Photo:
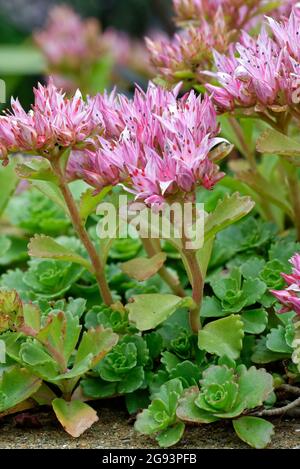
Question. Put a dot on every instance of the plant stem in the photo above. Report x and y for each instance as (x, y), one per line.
(289, 388)
(196, 280)
(279, 410)
(244, 146)
(167, 276)
(82, 233)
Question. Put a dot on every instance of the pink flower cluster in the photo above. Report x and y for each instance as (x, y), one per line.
(155, 145)
(68, 40)
(238, 13)
(260, 72)
(207, 25)
(290, 297)
(180, 57)
(53, 122)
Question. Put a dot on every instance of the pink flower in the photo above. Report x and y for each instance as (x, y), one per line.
(54, 121)
(189, 50)
(68, 40)
(163, 150)
(258, 73)
(236, 12)
(290, 297)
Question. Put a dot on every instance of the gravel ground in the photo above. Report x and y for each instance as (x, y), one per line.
(115, 430)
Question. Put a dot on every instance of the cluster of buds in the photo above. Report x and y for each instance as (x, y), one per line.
(55, 122)
(166, 148)
(290, 296)
(260, 73)
(189, 51)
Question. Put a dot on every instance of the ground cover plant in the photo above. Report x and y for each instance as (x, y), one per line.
(185, 300)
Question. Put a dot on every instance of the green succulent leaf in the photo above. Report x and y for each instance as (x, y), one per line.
(5, 244)
(229, 210)
(36, 168)
(89, 201)
(143, 268)
(255, 385)
(223, 337)
(255, 320)
(44, 247)
(276, 341)
(171, 436)
(149, 310)
(161, 414)
(254, 431)
(188, 412)
(16, 385)
(273, 142)
(97, 342)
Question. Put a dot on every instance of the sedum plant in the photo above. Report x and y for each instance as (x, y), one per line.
(182, 332)
(48, 349)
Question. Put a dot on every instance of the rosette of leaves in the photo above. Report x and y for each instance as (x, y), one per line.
(249, 234)
(115, 318)
(35, 213)
(228, 394)
(124, 249)
(235, 293)
(121, 371)
(159, 419)
(51, 349)
(52, 278)
(179, 340)
(75, 306)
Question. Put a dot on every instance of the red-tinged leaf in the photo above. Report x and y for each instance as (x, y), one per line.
(75, 416)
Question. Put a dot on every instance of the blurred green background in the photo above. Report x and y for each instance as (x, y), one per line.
(21, 65)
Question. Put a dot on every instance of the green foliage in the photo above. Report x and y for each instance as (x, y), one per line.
(227, 393)
(123, 366)
(34, 212)
(50, 348)
(235, 293)
(160, 417)
(223, 337)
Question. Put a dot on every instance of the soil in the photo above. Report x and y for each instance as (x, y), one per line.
(115, 430)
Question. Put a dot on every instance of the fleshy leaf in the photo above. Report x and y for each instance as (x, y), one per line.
(75, 416)
(36, 168)
(149, 310)
(255, 385)
(229, 210)
(273, 142)
(254, 431)
(171, 435)
(44, 247)
(89, 202)
(143, 268)
(223, 337)
(97, 342)
(255, 320)
(188, 412)
(16, 385)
